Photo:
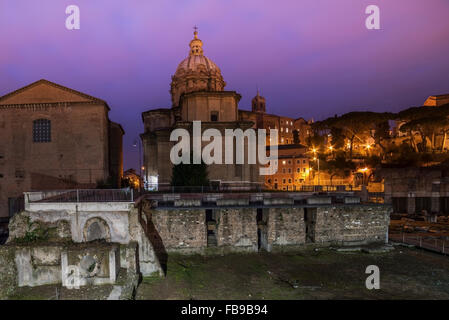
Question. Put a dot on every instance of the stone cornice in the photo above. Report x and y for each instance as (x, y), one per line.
(43, 81)
(46, 105)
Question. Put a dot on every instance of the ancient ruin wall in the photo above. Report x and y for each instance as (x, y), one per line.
(181, 230)
(237, 229)
(339, 224)
(285, 227)
(8, 272)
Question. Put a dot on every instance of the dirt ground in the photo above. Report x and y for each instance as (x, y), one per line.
(405, 273)
(323, 274)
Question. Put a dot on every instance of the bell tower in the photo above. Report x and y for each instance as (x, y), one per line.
(258, 103)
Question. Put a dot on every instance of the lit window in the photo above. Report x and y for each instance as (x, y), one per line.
(42, 130)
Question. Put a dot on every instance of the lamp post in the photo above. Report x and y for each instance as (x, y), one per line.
(318, 163)
(138, 142)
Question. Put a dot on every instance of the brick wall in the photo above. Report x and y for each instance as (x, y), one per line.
(352, 224)
(236, 229)
(286, 227)
(181, 230)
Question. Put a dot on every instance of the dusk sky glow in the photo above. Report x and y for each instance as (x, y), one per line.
(310, 58)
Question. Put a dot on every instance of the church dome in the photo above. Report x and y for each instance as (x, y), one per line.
(196, 73)
(196, 63)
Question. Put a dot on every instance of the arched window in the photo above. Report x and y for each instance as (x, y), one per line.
(42, 130)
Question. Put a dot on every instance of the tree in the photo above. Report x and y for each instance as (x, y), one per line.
(359, 126)
(428, 122)
(105, 184)
(338, 138)
(380, 133)
(190, 175)
(339, 166)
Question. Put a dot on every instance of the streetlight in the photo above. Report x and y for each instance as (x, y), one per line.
(318, 162)
(368, 147)
(138, 142)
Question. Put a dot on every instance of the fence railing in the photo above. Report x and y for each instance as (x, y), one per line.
(81, 195)
(252, 188)
(129, 195)
(426, 242)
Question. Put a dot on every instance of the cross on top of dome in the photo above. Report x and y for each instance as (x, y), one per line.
(196, 45)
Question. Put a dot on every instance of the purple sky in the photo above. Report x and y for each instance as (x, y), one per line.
(311, 58)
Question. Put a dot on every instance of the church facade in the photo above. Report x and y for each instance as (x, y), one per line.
(53, 137)
(198, 94)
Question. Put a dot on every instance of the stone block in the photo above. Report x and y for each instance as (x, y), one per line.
(187, 203)
(278, 201)
(232, 202)
(352, 200)
(319, 200)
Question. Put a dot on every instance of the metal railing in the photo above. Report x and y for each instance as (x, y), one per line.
(81, 195)
(252, 188)
(425, 242)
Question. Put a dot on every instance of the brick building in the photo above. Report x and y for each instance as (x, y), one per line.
(53, 137)
(197, 91)
(417, 190)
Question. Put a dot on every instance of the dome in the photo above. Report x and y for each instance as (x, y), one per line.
(195, 73)
(197, 63)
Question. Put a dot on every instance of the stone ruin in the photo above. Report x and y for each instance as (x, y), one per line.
(56, 245)
(80, 244)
